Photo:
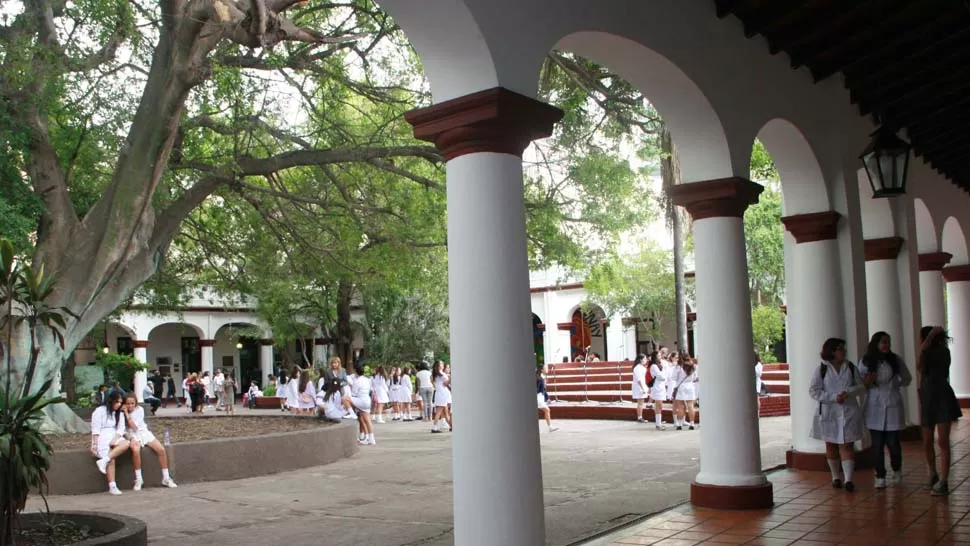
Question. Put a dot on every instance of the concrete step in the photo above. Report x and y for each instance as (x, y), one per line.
(591, 385)
(771, 406)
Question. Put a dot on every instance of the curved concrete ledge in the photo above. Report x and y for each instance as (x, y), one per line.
(73, 472)
(121, 530)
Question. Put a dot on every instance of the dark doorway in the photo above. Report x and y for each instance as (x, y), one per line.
(248, 363)
(191, 356)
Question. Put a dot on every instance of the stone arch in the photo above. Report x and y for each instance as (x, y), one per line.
(926, 239)
(694, 124)
(588, 329)
(176, 345)
(803, 186)
(876, 214)
(237, 350)
(955, 241)
(538, 339)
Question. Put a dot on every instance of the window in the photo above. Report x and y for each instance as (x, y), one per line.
(126, 346)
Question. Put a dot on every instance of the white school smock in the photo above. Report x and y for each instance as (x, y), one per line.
(332, 409)
(639, 384)
(659, 389)
(885, 409)
(379, 384)
(668, 370)
(406, 389)
(140, 431)
(685, 385)
(837, 423)
(759, 369)
(442, 394)
(360, 395)
(310, 403)
(103, 426)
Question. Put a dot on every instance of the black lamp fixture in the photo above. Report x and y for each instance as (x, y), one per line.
(886, 161)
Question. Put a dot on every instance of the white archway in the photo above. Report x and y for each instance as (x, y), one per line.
(926, 238)
(803, 186)
(877, 216)
(954, 241)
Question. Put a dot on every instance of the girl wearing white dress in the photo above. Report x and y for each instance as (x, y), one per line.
(885, 374)
(331, 403)
(306, 394)
(669, 367)
(658, 391)
(759, 369)
(291, 391)
(684, 378)
(407, 392)
(442, 396)
(836, 386)
(381, 397)
(639, 385)
(107, 438)
(141, 437)
(395, 393)
(360, 398)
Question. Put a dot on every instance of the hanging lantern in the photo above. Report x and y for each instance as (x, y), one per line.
(886, 161)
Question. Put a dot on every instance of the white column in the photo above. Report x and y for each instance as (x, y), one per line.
(207, 354)
(630, 341)
(958, 326)
(814, 315)
(497, 469)
(730, 454)
(141, 377)
(265, 361)
(931, 295)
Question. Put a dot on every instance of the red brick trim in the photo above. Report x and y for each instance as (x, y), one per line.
(886, 248)
(934, 261)
(690, 274)
(495, 120)
(816, 462)
(721, 497)
(964, 402)
(564, 326)
(540, 326)
(816, 226)
(541, 289)
(724, 197)
(692, 316)
(266, 341)
(207, 343)
(141, 344)
(956, 273)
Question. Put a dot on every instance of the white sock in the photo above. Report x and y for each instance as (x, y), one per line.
(658, 418)
(138, 474)
(834, 467)
(847, 468)
(165, 475)
(370, 437)
(112, 485)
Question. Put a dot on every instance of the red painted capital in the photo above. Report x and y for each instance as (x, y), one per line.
(207, 343)
(266, 341)
(564, 326)
(724, 197)
(886, 248)
(322, 341)
(956, 273)
(817, 226)
(934, 261)
(495, 120)
(141, 344)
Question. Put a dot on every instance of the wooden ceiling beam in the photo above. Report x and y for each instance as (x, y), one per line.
(925, 73)
(928, 84)
(776, 16)
(840, 21)
(909, 107)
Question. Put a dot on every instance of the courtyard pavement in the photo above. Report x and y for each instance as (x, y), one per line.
(597, 475)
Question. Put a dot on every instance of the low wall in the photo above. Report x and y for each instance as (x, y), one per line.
(74, 472)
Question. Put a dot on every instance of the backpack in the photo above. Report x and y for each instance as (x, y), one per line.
(650, 378)
(824, 369)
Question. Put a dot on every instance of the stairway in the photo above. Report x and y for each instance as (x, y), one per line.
(601, 390)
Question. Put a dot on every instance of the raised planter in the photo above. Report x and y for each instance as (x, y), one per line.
(120, 530)
(269, 402)
(73, 472)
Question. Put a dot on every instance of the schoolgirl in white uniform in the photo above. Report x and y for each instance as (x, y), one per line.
(684, 378)
(331, 403)
(885, 375)
(107, 437)
(306, 398)
(670, 366)
(395, 393)
(639, 385)
(380, 385)
(839, 420)
(442, 396)
(407, 392)
(291, 391)
(658, 392)
(141, 437)
(360, 397)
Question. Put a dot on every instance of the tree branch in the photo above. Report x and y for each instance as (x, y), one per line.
(167, 223)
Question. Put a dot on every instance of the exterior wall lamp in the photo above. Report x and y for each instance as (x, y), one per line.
(886, 161)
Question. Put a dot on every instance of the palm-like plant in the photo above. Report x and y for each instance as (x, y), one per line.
(24, 453)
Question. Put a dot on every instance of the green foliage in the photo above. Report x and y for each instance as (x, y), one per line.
(767, 325)
(270, 390)
(762, 167)
(120, 368)
(639, 286)
(764, 235)
(404, 325)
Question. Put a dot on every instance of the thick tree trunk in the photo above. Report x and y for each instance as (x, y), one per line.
(670, 176)
(344, 332)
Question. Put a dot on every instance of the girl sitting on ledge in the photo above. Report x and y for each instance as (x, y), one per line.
(140, 436)
(107, 438)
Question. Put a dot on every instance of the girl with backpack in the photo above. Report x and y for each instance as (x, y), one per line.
(885, 375)
(836, 386)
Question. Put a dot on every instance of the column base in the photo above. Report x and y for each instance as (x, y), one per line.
(723, 497)
(964, 402)
(912, 433)
(816, 462)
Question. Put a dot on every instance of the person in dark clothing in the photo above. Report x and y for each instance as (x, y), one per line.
(171, 392)
(116, 387)
(542, 399)
(939, 407)
(100, 396)
(157, 382)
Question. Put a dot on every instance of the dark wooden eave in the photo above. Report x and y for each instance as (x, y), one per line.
(907, 62)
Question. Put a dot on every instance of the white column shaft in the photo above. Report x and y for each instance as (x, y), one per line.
(141, 377)
(207, 357)
(730, 444)
(958, 327)
(932, 306)
(495, 449)
(814, 315)
(265, 364)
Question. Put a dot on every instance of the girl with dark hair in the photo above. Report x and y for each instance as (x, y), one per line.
(938, 405)
(885, 374)
(639, 385)
(658, 391)
(836, 385)
(684, 378)
(381, 396)
(141, 437)
(306, 394)
(542, 399)
(331, 403)
(360, 397)
(406, 393)
(442, 396)
(108, 438)
(292, 393)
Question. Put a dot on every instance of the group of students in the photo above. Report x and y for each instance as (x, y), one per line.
(666, 376)
(870, 395)
(118, 426)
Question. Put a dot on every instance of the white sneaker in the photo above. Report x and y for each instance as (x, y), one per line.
(553, 429)
(103, 465)
(897, 479)
(350, 416)
(661, 427)
(138, 485)
(880, 483)
(169, 482)
(381, 420)
(371, 441)
(114, 491)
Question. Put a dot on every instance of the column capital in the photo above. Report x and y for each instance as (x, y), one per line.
(207, 343)
(886, 248)
(815, 226)
(956, 273)
(266, 341)
(494, 120)
(141, 344)
(934, 261)
(724, 197)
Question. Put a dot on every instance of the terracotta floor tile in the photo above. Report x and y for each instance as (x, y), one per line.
(766, 541)
(637, 541)
(792, 526)
(655, 533)
(727, 538)
(675, 525)
(790, 535)
(675, 542)
(693, 535)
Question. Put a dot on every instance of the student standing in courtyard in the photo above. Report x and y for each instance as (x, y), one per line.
(938, 404)
(836, 386)
(407, 393)
(542, 399)
(380, 384)
(360, 397)
(425, 391)
(885, 374)
(658, 392)
(684, 379)
(442, 397)
(639, 384)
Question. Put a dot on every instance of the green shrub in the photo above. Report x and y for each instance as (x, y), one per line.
(120, 368)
